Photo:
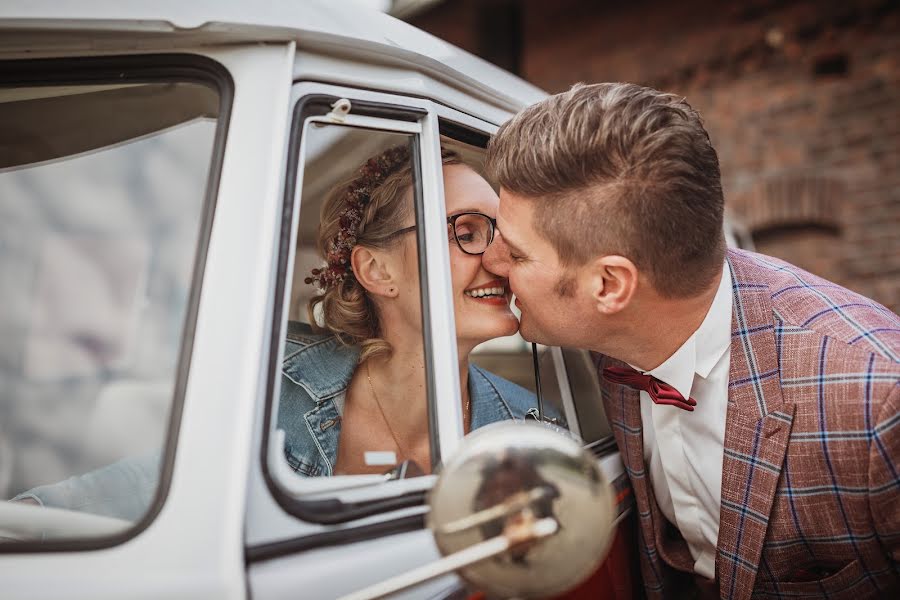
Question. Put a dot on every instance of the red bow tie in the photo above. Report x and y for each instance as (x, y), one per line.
(659, 391)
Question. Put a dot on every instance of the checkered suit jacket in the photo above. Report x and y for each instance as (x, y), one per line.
(810, 487)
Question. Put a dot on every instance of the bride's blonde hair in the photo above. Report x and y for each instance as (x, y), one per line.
(365, 210)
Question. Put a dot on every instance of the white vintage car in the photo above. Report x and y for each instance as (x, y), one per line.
(162, 168)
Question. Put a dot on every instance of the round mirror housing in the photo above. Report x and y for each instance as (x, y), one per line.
(538, 489)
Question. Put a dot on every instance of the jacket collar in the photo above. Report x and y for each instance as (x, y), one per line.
(757, 430)
(487, 403)
(323, 366)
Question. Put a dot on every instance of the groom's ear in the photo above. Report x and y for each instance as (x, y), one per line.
(613, 281)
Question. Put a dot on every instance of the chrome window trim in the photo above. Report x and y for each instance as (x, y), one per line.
(445, 413)
(445, 410)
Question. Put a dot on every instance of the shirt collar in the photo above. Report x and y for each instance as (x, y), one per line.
(714, 334)
(321, 364)
(700, 353)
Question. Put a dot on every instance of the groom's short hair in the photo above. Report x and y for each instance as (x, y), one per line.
(617, 168)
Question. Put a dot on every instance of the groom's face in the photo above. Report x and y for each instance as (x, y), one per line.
(554, 306)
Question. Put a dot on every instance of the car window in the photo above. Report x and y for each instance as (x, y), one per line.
(102, 190)
(349, 384)
(352, 397)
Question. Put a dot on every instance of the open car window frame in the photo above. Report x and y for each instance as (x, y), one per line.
(350, 498)
(367, 509)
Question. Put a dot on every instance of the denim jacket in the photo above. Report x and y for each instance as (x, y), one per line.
(315, 375)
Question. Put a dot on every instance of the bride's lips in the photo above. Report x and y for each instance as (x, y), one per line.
(497, 300)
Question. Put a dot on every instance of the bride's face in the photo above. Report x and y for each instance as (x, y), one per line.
(480, 313)
(478, 317)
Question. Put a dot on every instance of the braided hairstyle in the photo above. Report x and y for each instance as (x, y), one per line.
(366, 210)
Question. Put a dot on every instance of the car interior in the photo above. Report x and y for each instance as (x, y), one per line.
(101, 192)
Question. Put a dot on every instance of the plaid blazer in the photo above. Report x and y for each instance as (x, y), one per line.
(810, 486)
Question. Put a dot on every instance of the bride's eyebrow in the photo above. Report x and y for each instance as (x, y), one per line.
(465, 210)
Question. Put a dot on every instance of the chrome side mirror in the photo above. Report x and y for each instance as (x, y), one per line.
(520, 511)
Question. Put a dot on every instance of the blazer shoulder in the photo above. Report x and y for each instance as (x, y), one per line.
(803, 302)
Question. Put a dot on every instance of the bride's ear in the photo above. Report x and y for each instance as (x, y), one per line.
(373, 272)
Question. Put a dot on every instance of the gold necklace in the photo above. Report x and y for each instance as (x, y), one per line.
(384, 416)
(388, 423)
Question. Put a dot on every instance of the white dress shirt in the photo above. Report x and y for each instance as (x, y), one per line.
(683, 449)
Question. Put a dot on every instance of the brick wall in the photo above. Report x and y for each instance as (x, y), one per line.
(801, 98)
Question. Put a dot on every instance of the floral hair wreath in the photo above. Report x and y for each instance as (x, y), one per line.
(369, 178)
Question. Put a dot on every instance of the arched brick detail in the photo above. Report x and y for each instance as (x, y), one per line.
(791, 199)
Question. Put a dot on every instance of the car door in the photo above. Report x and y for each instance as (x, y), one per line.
(125, 218)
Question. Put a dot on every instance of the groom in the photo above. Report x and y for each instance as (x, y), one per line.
(756, 406)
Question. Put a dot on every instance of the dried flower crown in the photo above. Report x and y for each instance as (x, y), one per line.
(370, 176)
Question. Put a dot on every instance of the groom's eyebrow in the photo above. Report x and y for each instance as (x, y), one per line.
(511, 245)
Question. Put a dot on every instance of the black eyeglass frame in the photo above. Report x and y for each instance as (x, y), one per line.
(451, 220)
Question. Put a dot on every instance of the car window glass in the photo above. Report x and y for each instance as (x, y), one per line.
(352, 398)
(101, 193)
(584, 384)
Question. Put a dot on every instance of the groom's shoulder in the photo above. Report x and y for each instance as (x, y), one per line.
(804, 302)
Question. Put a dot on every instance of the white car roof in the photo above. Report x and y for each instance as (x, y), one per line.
(337, 27)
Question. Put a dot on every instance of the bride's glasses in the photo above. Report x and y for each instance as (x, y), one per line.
(473, 232)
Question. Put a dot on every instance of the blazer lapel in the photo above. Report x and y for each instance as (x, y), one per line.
(758, 426)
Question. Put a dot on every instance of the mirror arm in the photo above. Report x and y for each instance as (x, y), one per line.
(538, 530)
(514, 504)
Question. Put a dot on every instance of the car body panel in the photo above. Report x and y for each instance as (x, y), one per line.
(325, 29)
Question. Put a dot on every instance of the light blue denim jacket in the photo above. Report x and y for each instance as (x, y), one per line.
(315, 374)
